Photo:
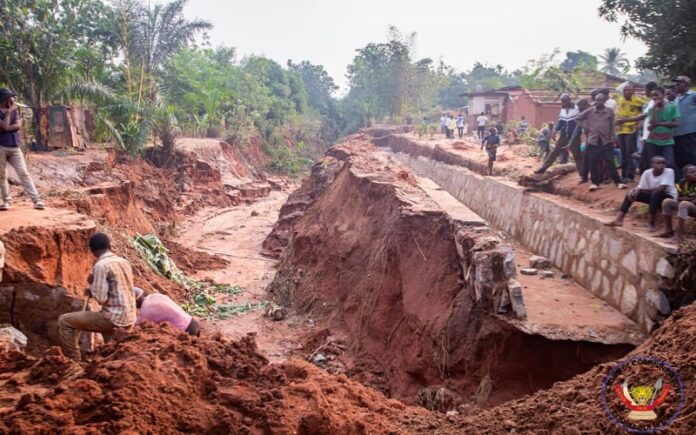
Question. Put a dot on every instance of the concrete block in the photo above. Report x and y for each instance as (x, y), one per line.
(615, 249)
(658, 301)
(539, 262)
(528, 271)
(12, 338)
(549, 274)
(630, 262)
(664, 269)
(517, 299)
(629, 299)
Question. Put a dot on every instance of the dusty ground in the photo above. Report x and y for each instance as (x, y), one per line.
(237, 234)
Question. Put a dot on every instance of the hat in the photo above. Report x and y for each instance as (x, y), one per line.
(685, 79)
(5, 93)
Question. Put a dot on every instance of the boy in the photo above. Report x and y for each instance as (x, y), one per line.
(491, 142)
(663, 121)
(630, 106)
(656, 185)
(544, 141)
(684, 206)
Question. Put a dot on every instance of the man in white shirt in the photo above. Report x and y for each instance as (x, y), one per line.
(643, 163)
(565, 127)
(481, 122)
(656, 185)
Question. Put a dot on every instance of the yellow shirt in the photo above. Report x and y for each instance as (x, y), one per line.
(629, 109)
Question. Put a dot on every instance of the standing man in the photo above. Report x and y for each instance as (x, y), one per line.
(565, 126)
(643, 131)
(685, 136)
(629, 106)
(522, 128)
(481, 122)
(111, 285)
(451, 126)
(10, 140)
(460, 125)
(598, 124)
(443, 124)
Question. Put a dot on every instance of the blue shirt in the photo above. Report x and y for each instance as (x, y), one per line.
(687, 108)
(10, 139)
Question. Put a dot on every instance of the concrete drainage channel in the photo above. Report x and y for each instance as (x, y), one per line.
(427, 295)
(624, 269)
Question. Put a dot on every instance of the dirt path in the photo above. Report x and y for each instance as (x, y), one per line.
(236, 234)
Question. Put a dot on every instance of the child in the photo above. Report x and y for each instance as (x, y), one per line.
(491, 142)
(683, 206)
(544, 141)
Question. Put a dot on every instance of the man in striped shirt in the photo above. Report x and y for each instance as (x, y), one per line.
(111, 285)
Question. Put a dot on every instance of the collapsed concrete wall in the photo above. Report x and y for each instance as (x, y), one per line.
(416, 291)
(622, 268)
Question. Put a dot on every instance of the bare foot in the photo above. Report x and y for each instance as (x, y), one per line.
(614, 223)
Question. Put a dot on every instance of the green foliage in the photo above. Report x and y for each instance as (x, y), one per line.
(665, 26)
(289, 160)
(581, 60)
(614, 61)
(544, 73)
(202, 301)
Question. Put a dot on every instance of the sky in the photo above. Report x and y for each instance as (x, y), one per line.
(327, 32)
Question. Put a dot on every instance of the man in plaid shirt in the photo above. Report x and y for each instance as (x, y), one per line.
(111, 285)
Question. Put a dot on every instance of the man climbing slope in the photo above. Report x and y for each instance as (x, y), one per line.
(111, 285)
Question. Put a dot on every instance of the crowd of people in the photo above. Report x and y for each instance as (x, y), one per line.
(652, 135)
(449, 124)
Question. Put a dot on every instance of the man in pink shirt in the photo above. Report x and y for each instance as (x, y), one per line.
(158, 308)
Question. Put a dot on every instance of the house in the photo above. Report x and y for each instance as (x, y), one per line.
(538, 106)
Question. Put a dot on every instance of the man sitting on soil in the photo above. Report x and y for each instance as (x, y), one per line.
(111, 285)
(656, 185)
(684, 206)
(159, 308)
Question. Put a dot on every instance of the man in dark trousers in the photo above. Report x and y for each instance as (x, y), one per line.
(565, 128)
(598, 125)
(685, 136)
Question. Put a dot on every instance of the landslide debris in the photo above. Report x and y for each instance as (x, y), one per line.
(156, 380)
(417, 293)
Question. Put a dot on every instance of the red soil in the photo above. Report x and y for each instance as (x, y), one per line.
(154, 380)
(381, 263)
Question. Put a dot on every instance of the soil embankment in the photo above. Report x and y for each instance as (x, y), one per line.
(415, 291)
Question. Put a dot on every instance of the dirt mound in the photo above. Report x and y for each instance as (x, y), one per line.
(576, 407)
(374, 257)
(154, 380)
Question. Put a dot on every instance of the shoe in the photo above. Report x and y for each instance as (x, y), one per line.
(539, 171)
(39, 205)
(5, 206)
(582, 181)
(621, 186)
(593, 187)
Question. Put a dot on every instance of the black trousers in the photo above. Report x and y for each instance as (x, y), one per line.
(558, 151)
(653, 199)
(460, 130)
(602, 153)
(629, 145)
(685, 150)
(481, 131)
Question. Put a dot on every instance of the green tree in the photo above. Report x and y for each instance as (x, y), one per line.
(579, 60)
(614, 61)
(545, 73)
(47, 46)
(665, 26)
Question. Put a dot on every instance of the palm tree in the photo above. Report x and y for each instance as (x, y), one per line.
(614, 61)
